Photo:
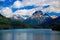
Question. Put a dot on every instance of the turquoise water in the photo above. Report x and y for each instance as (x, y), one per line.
(28, 30)
(29, 34)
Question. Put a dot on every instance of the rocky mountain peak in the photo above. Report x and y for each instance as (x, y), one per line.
(39, 12)
(1, 15)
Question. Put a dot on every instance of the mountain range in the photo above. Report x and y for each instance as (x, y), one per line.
(38, 20)
(7, 23)
(43, 20)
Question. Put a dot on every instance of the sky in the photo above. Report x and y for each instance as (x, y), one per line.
(25, 8)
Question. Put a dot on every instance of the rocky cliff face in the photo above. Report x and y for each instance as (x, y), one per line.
(37, 18)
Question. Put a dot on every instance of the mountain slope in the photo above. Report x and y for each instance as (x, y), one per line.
(37, 18)
(54, 24)
(17, 17)
(6, 23)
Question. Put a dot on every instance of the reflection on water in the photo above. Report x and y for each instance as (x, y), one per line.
(29, 34)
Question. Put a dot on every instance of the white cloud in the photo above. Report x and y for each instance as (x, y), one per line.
(24, 12)
(7, 12)
(17, 4)
(36, 2)
(54, 4)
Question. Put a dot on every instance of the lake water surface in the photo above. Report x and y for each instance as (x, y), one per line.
(29, 34)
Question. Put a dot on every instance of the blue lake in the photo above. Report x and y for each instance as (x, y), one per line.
(29, 34)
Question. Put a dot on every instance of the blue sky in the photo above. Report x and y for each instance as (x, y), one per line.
(25, 7)
(28, 7)
(6, 3)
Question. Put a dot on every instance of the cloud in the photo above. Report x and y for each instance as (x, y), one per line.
(17, 4)
(54, 4)
(6, 12)
(24, 12)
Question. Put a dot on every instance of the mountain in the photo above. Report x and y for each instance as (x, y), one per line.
(7, 23)
(4, 22)
(38, 18)
(54, 24)
(56, 27)
(17, 17)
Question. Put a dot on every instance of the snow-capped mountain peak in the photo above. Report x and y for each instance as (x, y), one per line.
(37, 18)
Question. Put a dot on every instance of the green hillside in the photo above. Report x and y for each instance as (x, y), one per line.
(6, 23)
